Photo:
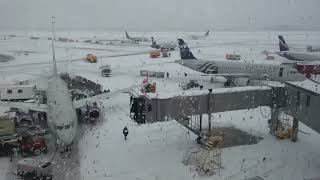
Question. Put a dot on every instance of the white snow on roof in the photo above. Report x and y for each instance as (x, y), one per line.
(308, 84)
(202, 92)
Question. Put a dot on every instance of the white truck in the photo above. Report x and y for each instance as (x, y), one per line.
(17, 92)
(105, 70)
(152, 73)
(233, 56)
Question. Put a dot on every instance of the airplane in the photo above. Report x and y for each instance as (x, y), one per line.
(60, 109)
(136, 39)
(232, 70)
(295, 55)
(165, 45)
(313, 48)
(197, 37)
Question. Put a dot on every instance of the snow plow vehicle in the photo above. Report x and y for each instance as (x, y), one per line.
(91, 58)
(35, 169)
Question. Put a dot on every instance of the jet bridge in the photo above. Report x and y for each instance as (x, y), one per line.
(300, 100)
(188, 107)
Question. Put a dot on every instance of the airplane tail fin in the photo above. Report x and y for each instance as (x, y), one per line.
(185, 52)
(127, 35)
(154, 43)
(282, 44)
(207, 33)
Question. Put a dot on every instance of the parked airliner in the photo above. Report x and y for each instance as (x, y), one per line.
(234, 69)
(197, 36)
(136, 39)
(297, 55)
(60, 109)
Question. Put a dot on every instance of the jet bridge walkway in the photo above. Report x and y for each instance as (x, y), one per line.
(188, 108)
(295, 99)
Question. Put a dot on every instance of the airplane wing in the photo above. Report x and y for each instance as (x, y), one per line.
(82, 102)
(23, 105)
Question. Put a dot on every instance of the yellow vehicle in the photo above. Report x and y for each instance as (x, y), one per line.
(7, 126)
(91, 58)
(151, 88)
(284, 133)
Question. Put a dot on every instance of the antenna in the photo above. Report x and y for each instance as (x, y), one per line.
(53, 53)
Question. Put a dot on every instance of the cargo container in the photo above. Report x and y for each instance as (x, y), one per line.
(17, 92)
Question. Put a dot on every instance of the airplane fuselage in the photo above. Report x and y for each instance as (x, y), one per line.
(257, 71)
(300, 56)
(313, 48)
(62, 118)
(197, 37)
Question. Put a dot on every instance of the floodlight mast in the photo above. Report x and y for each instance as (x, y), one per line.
(53, 52)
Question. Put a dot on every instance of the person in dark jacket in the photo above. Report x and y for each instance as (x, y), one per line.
(125, 132)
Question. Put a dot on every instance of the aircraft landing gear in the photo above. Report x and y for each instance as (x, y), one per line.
(228, 82)
(65, 149)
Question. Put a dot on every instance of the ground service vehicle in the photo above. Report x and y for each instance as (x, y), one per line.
(17, 92)
(91, 58)
(32, 145)
(233, 57)
(35, 169)
(105, 71)
(191, 84)
(154, 54)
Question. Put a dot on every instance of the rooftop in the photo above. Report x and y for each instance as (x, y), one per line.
(309, 85)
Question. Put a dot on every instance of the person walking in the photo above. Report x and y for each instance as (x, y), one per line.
(125, 132)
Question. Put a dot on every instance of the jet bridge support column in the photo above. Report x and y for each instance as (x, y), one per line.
(200, 128)
(209, 110)
(295, 128)
(275, 110)
(274, 121)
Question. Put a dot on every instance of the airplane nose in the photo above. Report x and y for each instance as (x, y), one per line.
(66, 136)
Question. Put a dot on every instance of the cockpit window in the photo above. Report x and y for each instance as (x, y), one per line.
(67, 126)
(59, 127)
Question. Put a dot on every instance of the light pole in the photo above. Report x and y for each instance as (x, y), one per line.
(53, 53)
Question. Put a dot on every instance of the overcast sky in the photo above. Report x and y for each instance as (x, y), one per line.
(151, 15)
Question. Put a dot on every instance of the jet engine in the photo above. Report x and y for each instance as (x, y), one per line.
(93, 113)
(89, 113)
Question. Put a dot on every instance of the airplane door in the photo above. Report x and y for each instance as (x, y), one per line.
(281, 72)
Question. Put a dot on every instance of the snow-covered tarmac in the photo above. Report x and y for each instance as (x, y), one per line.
(155, 151)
